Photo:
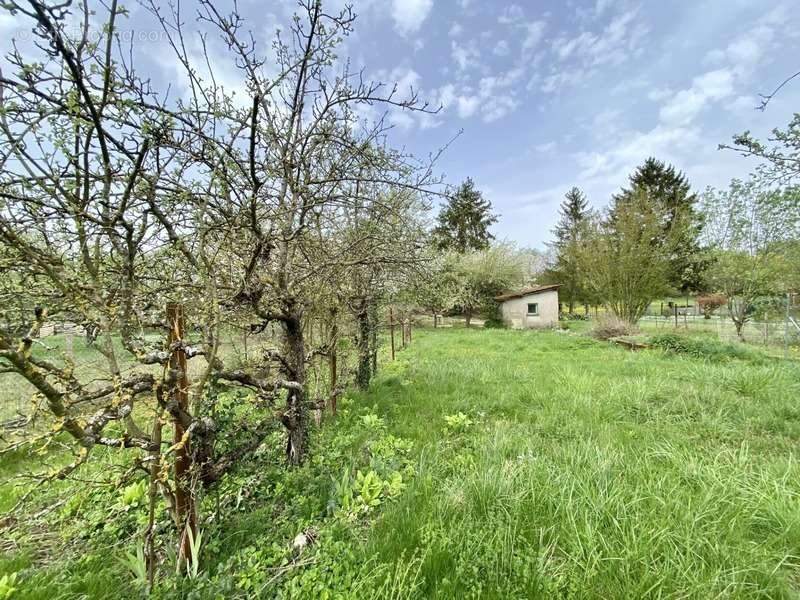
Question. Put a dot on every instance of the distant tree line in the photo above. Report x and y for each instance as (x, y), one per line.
(657, 237)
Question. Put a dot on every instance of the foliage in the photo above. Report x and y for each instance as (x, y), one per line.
(195, 547)
(494, 323)
(438, 283)
(626, 259)
(278, 216)
(493, 509)
(485, 274)
(750, 226)
(672, 200)
(136, 565)
(463, 223)
(8, 586)
(703, 348)
(569, 235)
(751, 215)
(457, 423)
(782, 156)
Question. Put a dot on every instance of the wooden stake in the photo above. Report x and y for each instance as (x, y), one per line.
(391, 329)
(68, 344)
(332, 360)
(179, 392)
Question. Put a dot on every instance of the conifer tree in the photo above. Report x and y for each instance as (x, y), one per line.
(675, 202)
(568, 234)
(463, 223)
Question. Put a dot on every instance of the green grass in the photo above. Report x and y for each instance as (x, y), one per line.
(592, 471)
(580, 470)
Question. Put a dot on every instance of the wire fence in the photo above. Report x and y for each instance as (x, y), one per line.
(777, 327)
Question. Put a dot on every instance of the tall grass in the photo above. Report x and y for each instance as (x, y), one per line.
(568, 468)
(593, 472)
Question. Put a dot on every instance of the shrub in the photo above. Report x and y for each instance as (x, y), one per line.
(700, 348)
(609, 326)
(710, 303)
(494, 323)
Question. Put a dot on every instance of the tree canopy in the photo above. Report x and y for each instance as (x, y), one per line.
(464, 221)
(569, 234)
(674, 204)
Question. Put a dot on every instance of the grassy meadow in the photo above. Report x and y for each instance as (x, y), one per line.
(510, 464)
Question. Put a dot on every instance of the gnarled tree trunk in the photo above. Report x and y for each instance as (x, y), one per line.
(295, 416)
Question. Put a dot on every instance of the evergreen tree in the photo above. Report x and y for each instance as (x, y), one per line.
(675, 203)
(463, 223)
(574, 209)
(569, 232)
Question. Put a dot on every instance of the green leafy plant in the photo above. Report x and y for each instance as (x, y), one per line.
(8, 586)
(136, 564)
(457, 423)
(395, 485)
(373, 421)
(343, 491)
(195, 546)
(369, 487)
(705, 349)
(133, 495)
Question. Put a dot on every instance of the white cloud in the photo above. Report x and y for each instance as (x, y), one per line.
(455, 30)
(659, 94)
(742, 104)
(409, 15)
(406, 81)
(494, 96)
(561, 78)
(668, 143)
(686, 104)
(601, 6)
(467, 105)
(545, 147)
(533, 35)
(511, 15)
(464, 55)
(501, 48)
(581, 54)
(617, 42)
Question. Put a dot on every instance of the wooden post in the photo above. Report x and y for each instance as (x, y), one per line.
(68, 344)
(332, 360)
(403, 332)
(409, 330)
(675, 309)
(786, 326)
(184, 499)
(391, 329)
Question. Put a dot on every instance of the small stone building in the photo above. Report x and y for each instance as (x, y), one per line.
(531, 308)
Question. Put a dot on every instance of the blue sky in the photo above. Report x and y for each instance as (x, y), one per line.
(551, 94)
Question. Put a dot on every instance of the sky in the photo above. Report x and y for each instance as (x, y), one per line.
(545, 95)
